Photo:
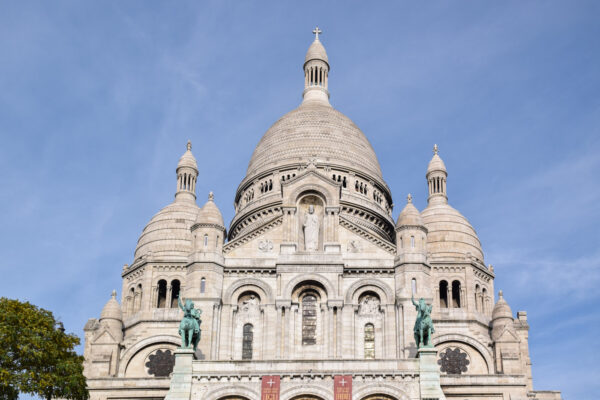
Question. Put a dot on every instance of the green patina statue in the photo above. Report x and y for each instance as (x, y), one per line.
(189, 328)
(424, 324)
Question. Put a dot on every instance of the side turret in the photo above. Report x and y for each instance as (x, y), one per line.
(411, 234)
(209, 229)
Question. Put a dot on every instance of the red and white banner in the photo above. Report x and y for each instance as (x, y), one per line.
(270, 387)
(342, 387)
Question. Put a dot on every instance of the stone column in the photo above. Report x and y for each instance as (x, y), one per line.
(390, 330)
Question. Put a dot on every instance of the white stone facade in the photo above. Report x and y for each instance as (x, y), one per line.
(308, 301)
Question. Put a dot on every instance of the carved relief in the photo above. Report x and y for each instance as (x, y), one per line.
(265, 246)
(354, 246)
(249, 304)
(369, 306)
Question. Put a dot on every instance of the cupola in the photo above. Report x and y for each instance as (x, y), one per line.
(316, 72)
(436, 178)
(501, 316)
(112, 317)
(411, 234)
(209, 229)
(187, 175)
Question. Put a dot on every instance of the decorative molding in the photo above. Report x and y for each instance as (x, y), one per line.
(387, 246)
(239, 241)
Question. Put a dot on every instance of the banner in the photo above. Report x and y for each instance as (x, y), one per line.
(270, 387)
(342, 387)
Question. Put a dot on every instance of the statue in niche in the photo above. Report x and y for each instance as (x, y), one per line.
(249, 304)
(311, 230)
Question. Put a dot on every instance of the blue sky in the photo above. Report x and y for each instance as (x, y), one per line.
(98, 99)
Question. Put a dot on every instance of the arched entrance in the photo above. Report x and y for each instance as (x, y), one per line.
(233, 398)
(378, 397)
(307, 397)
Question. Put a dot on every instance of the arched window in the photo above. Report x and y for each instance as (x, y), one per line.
(205, 240)
(412, 242)
(175, 287)
(131, 300)
(247, 342)
(161, 301)
(413, 283)
(443, 294)
(309, 319)
(369, 341)
(477, 298)
(138, 297)
(202, 285)
(456, 294)
(484, 305)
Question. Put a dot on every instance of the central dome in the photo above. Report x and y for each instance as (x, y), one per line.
(315, 130)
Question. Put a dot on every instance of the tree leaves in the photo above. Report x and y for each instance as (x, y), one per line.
(36, 355)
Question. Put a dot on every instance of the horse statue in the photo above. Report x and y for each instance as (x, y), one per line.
(424, 324)
(189, 328)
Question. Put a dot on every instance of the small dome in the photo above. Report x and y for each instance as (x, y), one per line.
(436, 163)
(409, 215)
(112, 309)
(168, 234)
(188, 159)
(210, 213)
(316, 51)
(501, 309)
(450, 235)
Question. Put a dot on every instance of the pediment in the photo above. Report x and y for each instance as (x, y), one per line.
(311, 181)
(508, 335)
(104, 337)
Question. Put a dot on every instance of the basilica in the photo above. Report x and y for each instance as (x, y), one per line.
(310, 291)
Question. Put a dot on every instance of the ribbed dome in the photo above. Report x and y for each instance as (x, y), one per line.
(450, 235)
(210, 213)
(316, 51)
(436, 164)
(188, 159)
(112, 309)
(314, 130)
(168, 232)
(409, 216)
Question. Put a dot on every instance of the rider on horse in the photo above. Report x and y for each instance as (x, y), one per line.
(424, 324)
(189, 328)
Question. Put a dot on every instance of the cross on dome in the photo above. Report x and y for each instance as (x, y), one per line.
(189, 145)
(409, 198)
(317, 32)
(211, 196)
(435, 149)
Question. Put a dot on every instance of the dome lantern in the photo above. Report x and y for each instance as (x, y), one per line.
(436, 178)
(187, 175)
(316, 72)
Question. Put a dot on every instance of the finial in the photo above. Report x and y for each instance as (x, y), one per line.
(500, 294)
(317, 32)
(189, 145)
(211, 196)
(435, 149)
(409, 198)
(114, 294)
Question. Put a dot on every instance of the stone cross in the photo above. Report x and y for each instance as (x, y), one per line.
(317, 31)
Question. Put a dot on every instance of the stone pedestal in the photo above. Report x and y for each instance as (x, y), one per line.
(181, 380)
(429, 374)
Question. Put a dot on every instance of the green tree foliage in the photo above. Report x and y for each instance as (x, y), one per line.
(36, 355)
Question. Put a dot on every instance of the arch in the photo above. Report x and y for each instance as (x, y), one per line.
(379, 389)
(443, 290)
(175, 290)
(325, 191)
(244, 392)
(129, 353)
(469, 341)
(456, 294)
(369, 341)
(202, 285)
(247, 341)
(306, 390)
(329, 288)
(386, 295)
(246, 284)
(161, 298)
